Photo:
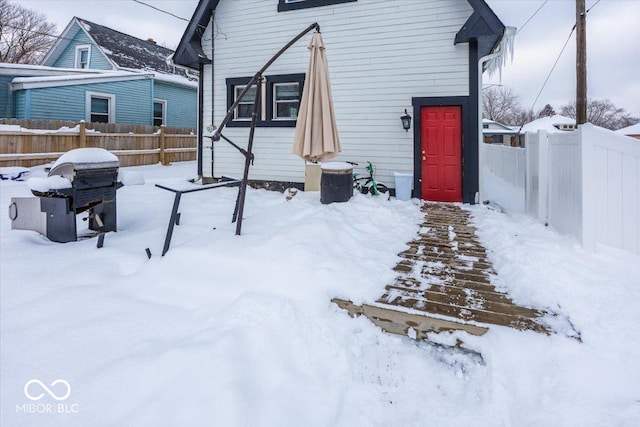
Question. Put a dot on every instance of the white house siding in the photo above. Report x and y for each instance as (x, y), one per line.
(381, 53)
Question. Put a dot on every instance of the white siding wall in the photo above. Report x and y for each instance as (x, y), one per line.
(381, 53)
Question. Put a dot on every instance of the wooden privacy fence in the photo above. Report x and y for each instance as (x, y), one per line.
(31, 148)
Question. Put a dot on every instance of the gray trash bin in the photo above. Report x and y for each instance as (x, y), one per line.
(336, 182)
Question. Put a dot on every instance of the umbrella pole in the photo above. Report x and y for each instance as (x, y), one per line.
(217, 135)
(248, 156)
(259, 74)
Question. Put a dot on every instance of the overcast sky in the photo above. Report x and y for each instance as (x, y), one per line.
(613, 41)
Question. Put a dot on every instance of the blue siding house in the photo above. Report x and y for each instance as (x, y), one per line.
(98, 74)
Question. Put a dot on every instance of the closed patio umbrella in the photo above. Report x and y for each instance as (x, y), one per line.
(316, 136)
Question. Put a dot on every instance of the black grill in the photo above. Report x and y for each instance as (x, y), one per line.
(93, 190)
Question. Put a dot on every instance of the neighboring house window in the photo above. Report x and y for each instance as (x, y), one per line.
(284, 5)
(100, 107)
(485, 126)
(83, 56)
(159, 112)
(279, 101)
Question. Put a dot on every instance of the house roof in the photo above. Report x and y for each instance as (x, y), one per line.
(125, 52)
(630, 130)
(496, 128)
(483, 26)
(30, 70)
(21, 83)
(548, 124)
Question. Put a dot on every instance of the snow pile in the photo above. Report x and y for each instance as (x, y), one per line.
(239, 330)
(43, 185)
(129, 177)
(63, 129)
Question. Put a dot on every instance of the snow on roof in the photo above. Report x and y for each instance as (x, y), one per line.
(548, 124)
(77, 77)
(130, 52)
(173, 79)
(630, 130)
(498, 128)
(40, 70)
(20, 83)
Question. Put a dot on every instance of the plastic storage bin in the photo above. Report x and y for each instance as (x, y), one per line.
(403, 185)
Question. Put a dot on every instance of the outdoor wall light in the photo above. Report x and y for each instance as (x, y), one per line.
(406, 121)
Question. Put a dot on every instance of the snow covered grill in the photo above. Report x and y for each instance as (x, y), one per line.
(82, 180)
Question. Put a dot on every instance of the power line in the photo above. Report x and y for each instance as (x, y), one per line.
(592, 6)
(167, 13)
(534, 14)
(161, 10)
(13, 27)
(553, 68)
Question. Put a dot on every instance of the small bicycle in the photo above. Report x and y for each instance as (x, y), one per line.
(368, 184)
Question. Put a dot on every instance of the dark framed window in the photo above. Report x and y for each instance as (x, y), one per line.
(99, 110)
(285, 5)
(100, 107)
(279, 100)
(159, 112)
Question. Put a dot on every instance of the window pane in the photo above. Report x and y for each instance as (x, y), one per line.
(245, 111)
(100, 105)
(245, 108)
(286, 92)
(157, 109)
(287, 110)
(249, 96)
(100, 118)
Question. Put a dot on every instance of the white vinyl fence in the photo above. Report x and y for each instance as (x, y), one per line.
(585, 183)
(507, 165)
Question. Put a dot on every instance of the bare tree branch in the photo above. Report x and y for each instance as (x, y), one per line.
(603, 113)
(25, 35)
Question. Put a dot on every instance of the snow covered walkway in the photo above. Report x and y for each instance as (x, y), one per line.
(445, 282)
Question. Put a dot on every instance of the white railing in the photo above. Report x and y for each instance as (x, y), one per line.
(585, 183)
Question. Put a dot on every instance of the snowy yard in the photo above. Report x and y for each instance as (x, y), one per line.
(240, 331)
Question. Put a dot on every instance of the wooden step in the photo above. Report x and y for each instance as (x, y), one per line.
(398, 322)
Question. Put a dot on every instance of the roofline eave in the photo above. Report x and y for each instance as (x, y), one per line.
(189, 52)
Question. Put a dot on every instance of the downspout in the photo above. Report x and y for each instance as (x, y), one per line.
(481, 151)
(200, 119)
(213, 81)
(504, 47)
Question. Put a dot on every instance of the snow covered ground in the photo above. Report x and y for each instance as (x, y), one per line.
(239, 330)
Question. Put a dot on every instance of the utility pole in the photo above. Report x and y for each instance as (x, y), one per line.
(581, 63)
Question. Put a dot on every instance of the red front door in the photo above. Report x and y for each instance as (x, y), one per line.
(441, 148)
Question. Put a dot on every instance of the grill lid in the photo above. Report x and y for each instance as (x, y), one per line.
(83, 159)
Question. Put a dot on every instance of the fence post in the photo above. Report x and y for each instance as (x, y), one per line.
(163, 159)
(83, 134)
(543, 177)
(589, 203)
